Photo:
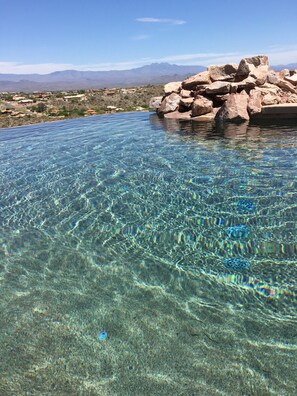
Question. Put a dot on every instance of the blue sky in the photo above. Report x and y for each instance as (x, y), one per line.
(41, 36)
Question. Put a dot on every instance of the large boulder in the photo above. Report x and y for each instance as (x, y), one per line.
(270, 94)
(247, 84)
(201, 106)
(193, 81)
(292, 98)
(185, 104)
(286, 86)
(254, 102)
(272, 77)
(176, 115)
(234, 109)
(270, 98)
(292, 79)
(200, 89)
(267, 87)
(185, 93)
(284, 73)
(155, 102)
(172, 87)
(260, 74)
(169, 103)
(222, 73)
(218, 87)
(206, 117)
(256, 66)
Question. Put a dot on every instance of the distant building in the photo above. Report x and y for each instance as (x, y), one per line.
(128, 90)
(26, 101)
(17, 98)
(109, 92)
(79, 97)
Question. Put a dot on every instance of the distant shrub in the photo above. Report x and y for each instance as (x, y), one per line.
(40, 107)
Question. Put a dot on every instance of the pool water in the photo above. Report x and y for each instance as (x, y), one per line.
(178, 240)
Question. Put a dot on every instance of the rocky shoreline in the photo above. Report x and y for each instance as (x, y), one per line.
(231, 92)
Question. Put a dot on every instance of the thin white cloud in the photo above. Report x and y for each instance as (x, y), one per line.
(42, 68)
(161, 20)
(281, 54)
(140, 37)
(277, 55)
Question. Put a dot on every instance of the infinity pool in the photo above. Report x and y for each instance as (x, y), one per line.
(141, 256)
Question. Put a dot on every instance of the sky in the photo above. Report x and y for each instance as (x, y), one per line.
(42, 36)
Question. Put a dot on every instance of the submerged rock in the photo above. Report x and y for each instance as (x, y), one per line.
(236, 264)
(245, 205)
(238, 232)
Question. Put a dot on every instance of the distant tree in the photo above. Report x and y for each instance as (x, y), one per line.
(41, 107)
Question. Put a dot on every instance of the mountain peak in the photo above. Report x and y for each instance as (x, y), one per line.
(155, 73)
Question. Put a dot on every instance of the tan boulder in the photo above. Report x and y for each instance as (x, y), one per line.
(272, 77)
(205, 117)
(172, 87)
(270, 94)
(288, 97)
(155, 102)
(283, 73)
(270, 98)
(234, 109)
(260, 74)
(248, 66)
(286, 86)
(267, 87)
(185, 104)
(292, 79)
(176, 115)
(201, 106)
(222, 73)
(254, 102)
(221, 98)
(200, 89)
(169, 103)
(247, 84)
(198, 79)
(292, 98)
(185, 93)
(218, 87)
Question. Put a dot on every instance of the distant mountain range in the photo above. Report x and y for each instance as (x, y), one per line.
(156, 73)
(290, 66)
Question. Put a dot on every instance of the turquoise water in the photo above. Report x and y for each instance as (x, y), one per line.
(145, 257)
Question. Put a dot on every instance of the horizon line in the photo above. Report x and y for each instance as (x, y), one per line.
(277, 56)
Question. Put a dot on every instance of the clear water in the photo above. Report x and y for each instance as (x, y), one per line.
(124, 224)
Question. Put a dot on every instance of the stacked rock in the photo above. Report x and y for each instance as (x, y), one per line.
(229, 92)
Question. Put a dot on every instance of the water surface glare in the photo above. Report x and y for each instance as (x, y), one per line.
(141, 256)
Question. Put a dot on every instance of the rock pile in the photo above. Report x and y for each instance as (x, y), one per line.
(228, 93)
